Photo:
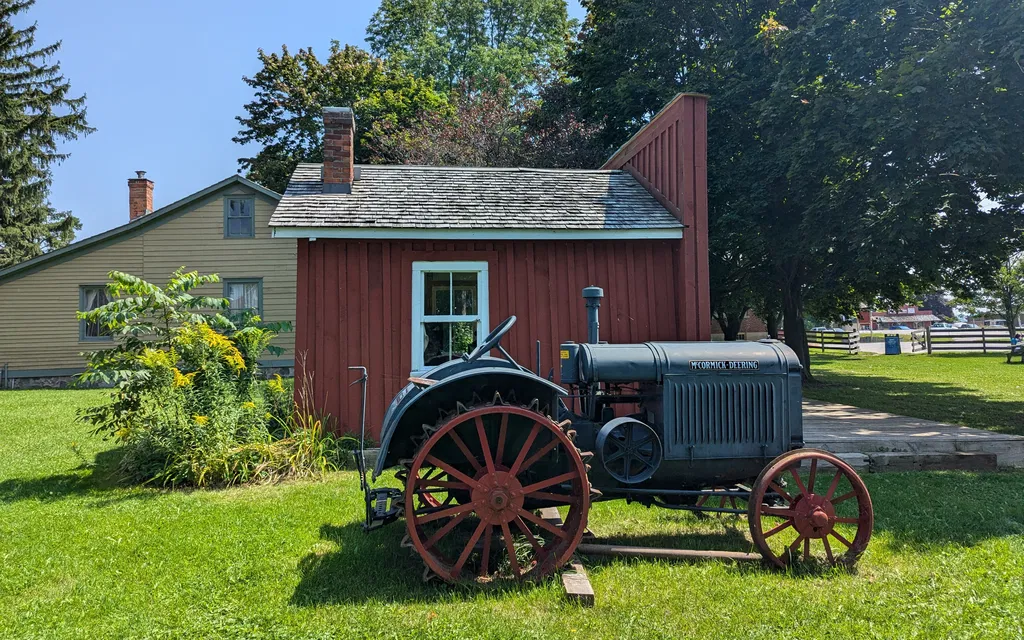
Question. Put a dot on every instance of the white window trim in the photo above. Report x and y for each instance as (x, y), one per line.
(483, 326)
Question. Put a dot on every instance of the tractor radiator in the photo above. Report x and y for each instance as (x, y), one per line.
(709, 416)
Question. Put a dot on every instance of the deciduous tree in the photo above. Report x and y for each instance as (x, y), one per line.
(856, 140)
(285, 115)
(461, 41)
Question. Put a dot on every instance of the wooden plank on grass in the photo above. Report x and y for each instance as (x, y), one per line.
(577, 586)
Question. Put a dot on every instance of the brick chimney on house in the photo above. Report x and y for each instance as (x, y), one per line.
(140, 196)
(339, 149)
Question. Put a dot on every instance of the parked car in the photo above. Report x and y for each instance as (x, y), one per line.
(965, 325)
(941, 325)
(827, 329)
(900, 327)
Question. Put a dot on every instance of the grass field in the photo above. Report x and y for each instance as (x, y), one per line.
(85, 558)
(980, 391)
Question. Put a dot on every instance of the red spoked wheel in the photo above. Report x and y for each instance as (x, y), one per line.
(812, 505)
(500, 463)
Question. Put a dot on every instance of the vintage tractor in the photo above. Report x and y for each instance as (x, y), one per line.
(483, 444)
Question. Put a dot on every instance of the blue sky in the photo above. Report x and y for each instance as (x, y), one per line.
(164, 84)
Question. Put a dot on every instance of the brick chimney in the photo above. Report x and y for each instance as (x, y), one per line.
(339, 151)
(140, 196)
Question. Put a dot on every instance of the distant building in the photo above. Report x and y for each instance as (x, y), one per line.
(910, 316)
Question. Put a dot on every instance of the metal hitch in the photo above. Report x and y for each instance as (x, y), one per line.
(383, 505)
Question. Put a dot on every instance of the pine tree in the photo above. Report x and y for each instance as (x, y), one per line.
(36, 115)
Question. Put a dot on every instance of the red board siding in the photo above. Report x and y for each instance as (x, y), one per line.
(354, 305)
(669, 157)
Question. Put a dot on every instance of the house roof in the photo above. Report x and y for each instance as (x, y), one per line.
(161, 215)
(392, 200)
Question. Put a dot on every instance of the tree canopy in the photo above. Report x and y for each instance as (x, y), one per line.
(852, 141)
(285, 115)
(37, 114)
(459, 41)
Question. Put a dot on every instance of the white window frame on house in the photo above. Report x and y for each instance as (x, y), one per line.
(419, 318)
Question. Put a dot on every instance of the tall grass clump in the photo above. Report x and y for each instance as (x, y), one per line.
(189, 404)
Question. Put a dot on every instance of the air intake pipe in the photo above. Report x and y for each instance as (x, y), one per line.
(592, 296)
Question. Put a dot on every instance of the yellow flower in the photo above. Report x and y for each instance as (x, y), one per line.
(276, 384)
(248, 405)
(183, 379)
(201, 420)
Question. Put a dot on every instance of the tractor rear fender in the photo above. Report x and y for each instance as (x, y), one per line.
(417, 405)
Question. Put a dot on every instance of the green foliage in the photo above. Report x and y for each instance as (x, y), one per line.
(285, 115)
(189, 405)
(488, 127)
(1005, 296)
(37, 115)
(457, 41)
(853, 142)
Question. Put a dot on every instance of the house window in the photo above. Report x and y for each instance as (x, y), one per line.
(244, 294)
(449, 308)
(239, 217)
(92, 297)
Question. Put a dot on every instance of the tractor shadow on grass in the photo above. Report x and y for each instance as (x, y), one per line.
(351, 566)
(98, 478)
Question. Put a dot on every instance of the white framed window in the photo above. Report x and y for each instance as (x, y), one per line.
(449, 311)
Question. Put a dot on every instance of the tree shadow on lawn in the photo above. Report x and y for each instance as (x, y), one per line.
(921, 509)
(96, 478)
(942, 402)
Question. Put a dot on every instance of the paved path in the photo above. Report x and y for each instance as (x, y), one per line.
(844, 429)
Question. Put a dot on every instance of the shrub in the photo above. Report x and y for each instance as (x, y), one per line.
(188, 403)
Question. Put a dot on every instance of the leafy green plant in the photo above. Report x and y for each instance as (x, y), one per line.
(189, 403)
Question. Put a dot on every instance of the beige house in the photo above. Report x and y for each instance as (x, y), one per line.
(221, 229)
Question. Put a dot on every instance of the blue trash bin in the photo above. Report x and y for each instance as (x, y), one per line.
(892, 344)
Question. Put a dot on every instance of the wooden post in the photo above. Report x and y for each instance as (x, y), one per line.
(928, 339)
(984, 347)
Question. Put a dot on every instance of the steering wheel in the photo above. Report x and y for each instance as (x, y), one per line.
(491, 341)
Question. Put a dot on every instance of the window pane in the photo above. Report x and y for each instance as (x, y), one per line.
(437, 293)
(93, 298)
(444, 341)
(239, 208)
(243, 295)
(464, 293)
(245, 226)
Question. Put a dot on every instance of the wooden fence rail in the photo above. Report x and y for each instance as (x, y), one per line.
(843, 341)
(992, 340)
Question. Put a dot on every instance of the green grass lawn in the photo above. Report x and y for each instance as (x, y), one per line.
(980, 391)
(81, 557)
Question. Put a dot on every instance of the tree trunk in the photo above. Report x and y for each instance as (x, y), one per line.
(771, 322)
(731, 323)
(793, 324)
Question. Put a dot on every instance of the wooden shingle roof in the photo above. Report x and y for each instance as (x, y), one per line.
(401, 197)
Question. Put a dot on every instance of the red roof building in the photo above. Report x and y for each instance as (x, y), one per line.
(401, 268)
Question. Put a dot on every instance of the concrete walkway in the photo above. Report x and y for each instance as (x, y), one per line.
(844, 429)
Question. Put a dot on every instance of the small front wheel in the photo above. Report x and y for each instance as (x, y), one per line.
(810, 504)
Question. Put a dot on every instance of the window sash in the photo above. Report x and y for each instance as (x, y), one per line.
(244, 295)
(420, 339)
(92, 297)
(239, 217)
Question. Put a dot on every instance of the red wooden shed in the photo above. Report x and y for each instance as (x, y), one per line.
(403, 267)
